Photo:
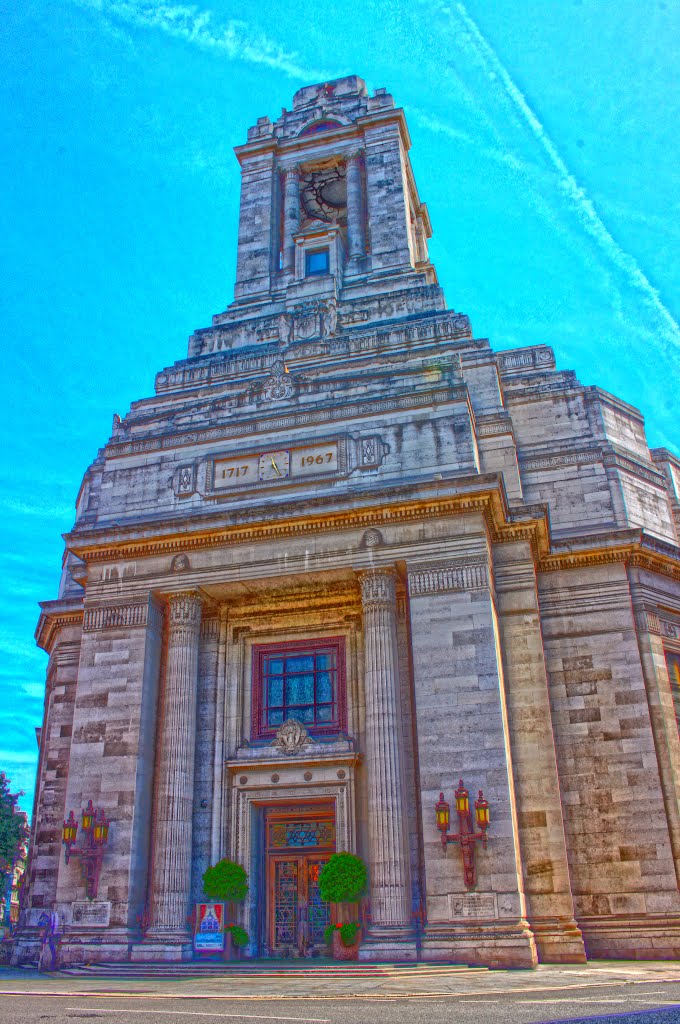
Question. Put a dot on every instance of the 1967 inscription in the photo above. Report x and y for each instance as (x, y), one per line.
(244, 470)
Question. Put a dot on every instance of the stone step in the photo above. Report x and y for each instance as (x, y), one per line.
(265, 970)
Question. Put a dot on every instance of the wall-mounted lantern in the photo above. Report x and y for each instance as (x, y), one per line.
(466, 835)
(95, 826)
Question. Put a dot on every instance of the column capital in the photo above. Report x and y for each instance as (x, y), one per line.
(378, 586)
(185, 608)
(354, 156)
(292, 171)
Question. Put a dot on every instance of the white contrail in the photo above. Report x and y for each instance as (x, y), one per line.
(233, 38)
(583, 205)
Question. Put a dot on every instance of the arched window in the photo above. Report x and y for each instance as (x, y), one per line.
(320, 126)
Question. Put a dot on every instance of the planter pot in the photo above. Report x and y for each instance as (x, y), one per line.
(342, 952)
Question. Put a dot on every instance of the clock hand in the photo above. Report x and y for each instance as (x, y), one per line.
(278, 472)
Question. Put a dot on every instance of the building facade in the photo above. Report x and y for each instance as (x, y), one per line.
(345, 556)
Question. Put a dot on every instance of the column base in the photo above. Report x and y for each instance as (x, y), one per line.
(489, 944)
(160, 946)
(643, 937)
(558, 940)
(393, 943)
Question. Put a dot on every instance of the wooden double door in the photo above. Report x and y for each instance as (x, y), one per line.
(299, 842)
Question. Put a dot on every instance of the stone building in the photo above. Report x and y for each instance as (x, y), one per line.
(346, 555)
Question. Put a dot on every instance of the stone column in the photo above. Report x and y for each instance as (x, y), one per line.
(387, 822)
(355, 208)
(291, 215)
(175, 781)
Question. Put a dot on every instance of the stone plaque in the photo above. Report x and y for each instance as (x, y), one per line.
(473, 904)
(86, 914)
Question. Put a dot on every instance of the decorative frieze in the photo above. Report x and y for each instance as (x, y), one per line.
(263, 424)
(448, 576)
(124, 616)
(451, 327)
(489, 426)
(582, 456)
(541, 356)
(635, 468)
(651, 621)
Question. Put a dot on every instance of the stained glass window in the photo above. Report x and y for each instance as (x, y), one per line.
(303, 682)
(319, 126)
(294, 834)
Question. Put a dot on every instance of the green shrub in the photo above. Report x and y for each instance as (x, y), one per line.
(348, 933)
(343, 879)
(225, 881)
(239, 936)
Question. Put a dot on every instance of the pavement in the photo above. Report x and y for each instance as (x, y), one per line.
(623, 992)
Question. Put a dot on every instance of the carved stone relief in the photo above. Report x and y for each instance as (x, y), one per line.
(292, 737)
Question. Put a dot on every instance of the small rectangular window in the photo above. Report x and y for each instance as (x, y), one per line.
(316, 262)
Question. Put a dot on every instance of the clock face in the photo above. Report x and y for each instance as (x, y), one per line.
(238, 471)
(274, 465)
(324, 195)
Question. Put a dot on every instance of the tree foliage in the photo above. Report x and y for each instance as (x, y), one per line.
(239, 936)
(343, 878)
(225, 880)
(13, 826)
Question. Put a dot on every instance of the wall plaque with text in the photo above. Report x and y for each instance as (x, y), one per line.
(473, 904)
(90, 914)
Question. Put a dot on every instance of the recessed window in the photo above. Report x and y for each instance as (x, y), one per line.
(316, 262)
(300, 680)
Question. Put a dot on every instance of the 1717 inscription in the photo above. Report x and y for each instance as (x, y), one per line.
(245, 470)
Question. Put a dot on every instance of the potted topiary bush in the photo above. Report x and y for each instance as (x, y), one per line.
(228, 882)
(342, 882)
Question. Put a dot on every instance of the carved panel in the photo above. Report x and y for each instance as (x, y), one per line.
(448, 576)
(122, 617)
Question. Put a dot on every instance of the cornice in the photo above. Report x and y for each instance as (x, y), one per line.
(630, 547)
(54, 616)
(474, 494)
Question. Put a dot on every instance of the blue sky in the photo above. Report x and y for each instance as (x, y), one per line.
(544, 142)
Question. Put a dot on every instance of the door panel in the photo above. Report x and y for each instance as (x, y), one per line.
(296, 914)
(286, 895)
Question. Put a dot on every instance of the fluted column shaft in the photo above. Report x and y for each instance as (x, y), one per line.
(291, 215)
(355, 208)
(175, 785)
(387, 825)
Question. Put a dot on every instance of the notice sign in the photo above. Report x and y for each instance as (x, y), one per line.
(208, 930)
(88, 914)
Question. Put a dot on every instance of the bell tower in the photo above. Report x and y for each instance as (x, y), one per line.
(329, 206)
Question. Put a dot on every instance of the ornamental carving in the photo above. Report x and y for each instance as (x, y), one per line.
(447, 576)
(371, 539)
(279, 385)
(185, 609)
(378, 586)
(180, 563)
(292, 737)
(121, 617)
